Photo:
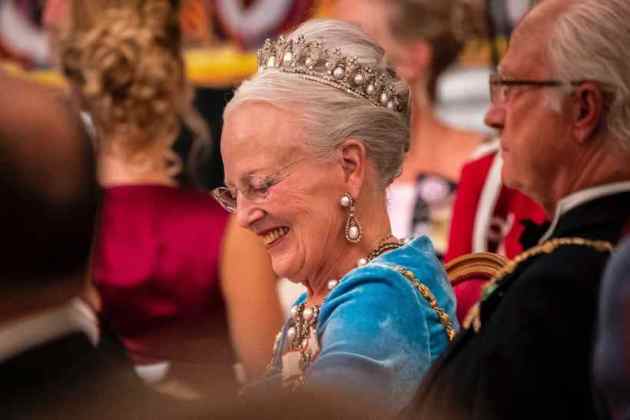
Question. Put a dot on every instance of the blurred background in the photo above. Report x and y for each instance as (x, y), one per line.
(221, 37)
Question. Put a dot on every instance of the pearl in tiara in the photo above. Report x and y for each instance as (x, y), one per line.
(312, 61)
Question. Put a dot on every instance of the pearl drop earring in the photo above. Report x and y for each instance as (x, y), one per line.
(353, 231)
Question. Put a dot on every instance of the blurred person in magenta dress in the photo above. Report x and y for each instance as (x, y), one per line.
(189, 292)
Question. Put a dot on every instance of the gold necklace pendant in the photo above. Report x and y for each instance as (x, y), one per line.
(302, 345)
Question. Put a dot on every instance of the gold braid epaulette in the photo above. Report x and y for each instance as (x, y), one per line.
(547, 247)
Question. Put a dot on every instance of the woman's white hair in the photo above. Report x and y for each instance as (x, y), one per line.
(330, 115)
(591, 42)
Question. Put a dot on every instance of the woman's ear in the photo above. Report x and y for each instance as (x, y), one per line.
(353, 159)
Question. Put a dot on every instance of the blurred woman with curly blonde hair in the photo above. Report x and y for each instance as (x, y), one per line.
(166, 255)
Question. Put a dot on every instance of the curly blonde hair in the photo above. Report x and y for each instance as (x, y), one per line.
(125, 59)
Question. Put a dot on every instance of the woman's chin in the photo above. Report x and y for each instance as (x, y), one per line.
(283, 264)
(282, 268)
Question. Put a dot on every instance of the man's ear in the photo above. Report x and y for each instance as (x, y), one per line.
(353, 160)
(588, 111)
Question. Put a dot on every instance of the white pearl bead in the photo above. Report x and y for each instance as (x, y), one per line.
(332, 284)
(370, 89)
(390, 105)
(359, 79)
(345, 201)
(308, 313)
(384, 98)
(339, 73)
(294, 311)
(353, 232)
(362, 262)
(291, 333)
(309, 62)
(288, 56)
(271, 61)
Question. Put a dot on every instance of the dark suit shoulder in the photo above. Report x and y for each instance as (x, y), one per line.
(539, 335)
(69, 378)
(549, 287)
(570, 263)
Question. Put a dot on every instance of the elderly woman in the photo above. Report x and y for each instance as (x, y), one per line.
(309, 145)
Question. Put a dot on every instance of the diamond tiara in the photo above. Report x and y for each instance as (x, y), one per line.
(311, 61)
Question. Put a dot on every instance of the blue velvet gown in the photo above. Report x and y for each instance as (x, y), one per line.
(375, 335)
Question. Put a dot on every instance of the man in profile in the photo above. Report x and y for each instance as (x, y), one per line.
(561, 103)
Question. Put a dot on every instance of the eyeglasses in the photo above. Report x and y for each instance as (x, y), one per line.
(500, 88)
(256, 191)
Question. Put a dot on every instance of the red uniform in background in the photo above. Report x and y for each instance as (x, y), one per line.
(487, 216)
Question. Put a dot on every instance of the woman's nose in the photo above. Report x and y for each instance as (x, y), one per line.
(247, 213)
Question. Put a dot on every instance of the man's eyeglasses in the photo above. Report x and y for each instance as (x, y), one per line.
(500, 88)
(256, 190)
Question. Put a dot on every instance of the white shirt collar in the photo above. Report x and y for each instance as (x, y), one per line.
(578, 198)
(74, 316)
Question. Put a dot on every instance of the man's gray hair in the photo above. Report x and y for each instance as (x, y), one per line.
(591, 41)
(328, 114)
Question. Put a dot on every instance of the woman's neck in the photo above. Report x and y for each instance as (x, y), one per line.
(436, 147)
(425, 128)
(116, 170)
(376, 229)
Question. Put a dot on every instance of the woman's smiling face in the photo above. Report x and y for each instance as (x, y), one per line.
(284, 194)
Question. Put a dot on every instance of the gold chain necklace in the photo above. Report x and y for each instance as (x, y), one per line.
(388, 243)
(474, 315)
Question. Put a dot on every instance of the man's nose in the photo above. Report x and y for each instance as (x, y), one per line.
(495, 116)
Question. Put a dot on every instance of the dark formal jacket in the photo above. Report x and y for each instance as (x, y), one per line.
(52, 369)
(612, 352)
(532, 356)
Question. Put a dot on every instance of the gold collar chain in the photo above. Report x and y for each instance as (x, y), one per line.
(473, 317)
(426, 293)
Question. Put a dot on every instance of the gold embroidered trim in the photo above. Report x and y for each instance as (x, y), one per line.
(473, 317)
